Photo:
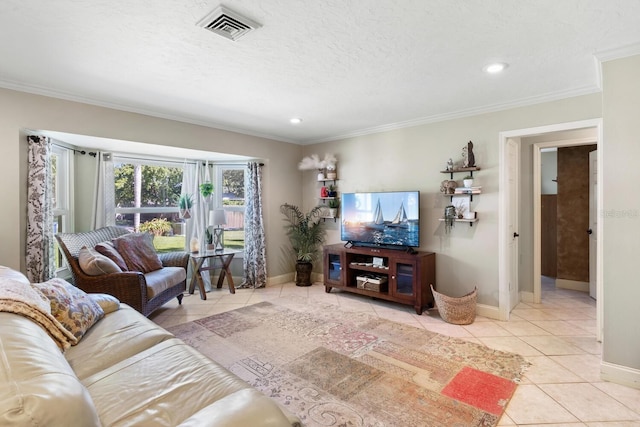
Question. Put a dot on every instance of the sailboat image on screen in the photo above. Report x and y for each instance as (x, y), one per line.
(388, 219)
(401, 219)
(378, 223)
(378, 219)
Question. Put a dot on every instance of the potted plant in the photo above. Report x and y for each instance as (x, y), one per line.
(185, 203)
(334, 204)
(468, 181)
(306, 234)
(206, 189)
(332, 191)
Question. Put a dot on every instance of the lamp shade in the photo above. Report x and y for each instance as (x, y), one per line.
(217, 217)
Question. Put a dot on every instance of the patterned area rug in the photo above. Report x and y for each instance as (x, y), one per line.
(335, 368)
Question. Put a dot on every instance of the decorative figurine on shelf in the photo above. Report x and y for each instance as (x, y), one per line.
(324, 192)
(448, 187)
(471, 158)
(449, 165)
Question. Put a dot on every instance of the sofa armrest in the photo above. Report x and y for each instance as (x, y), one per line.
(130, 287)
(174, 259)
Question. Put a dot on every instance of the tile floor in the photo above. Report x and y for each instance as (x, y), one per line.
(561, 388)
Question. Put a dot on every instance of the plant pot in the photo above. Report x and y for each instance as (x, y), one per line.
(468, 183)
(333, 212)
(303, 273)
(332, 175)
(185, 213)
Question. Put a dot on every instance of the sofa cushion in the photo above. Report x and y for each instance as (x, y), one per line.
(107, 249)
(118, 336)
(37, 385)
(160, 280)
(138, 252)
(186, 376)
(94, 263)
(71, 306)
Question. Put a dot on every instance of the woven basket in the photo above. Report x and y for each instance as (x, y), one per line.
(459, 311)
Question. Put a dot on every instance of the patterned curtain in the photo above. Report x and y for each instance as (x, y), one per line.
(254, 262)
(40, 250)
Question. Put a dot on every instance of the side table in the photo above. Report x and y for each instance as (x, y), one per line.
(225, 257)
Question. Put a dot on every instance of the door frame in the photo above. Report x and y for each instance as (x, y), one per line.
(504, 203)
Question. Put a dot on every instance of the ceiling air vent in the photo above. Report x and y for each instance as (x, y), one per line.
(228, 23)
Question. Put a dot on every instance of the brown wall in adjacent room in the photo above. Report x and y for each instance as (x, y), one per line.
(573, 212)
(549, 237)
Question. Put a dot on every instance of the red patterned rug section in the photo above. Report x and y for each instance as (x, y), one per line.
(480, 389)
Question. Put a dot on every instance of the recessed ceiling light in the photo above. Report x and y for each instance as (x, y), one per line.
(495, 67)
(296, 121)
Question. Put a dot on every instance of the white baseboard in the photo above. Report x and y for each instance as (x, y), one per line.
(488, 311)
(573, 285)
(526, 297)
(279, 280)
(620, 374)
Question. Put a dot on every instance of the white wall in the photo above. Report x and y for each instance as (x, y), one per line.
(19, 111)
(549, 172)
(412, 158)
(621, 216)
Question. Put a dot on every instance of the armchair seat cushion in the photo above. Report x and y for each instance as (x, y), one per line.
(163, 279)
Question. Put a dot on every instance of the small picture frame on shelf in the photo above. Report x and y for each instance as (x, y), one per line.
(378, 262)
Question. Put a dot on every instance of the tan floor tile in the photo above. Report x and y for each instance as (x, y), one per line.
(589, 403)
(545, 370)
(551, 345)
(523, 328)
(625, 395)
(487, 329)
(512, 344)
(530, 405)
(561, 327)
(586, 366)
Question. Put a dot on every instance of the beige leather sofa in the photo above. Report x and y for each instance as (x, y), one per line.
(125, 371)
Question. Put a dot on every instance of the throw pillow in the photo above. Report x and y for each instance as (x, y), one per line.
(94, 263)
(138, 252)
(108, 303)
(107, 249)
(71, 306)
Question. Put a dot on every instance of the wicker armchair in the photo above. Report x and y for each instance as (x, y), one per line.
(130, 287)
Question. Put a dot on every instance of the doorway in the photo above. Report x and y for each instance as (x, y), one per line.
(506, 211)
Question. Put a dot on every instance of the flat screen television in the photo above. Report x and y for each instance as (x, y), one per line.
(390, 219)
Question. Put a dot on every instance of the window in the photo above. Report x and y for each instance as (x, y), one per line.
(231, 181)
(146, 195)
(61, 165)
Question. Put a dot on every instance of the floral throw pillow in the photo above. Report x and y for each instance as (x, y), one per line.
(71, 306)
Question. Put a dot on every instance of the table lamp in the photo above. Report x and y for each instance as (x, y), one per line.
(217, 219)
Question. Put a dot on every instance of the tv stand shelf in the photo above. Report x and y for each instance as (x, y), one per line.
(406, 276)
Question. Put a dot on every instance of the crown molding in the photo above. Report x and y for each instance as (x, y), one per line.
(618, 53)
(38, 90)
(524, 102)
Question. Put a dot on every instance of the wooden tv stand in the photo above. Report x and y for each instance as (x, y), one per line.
(408, 275)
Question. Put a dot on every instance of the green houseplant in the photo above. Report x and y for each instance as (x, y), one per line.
(306, 234)
(185, 203)
(206, 189)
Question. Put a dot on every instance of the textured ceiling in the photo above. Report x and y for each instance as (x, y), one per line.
(345, 67)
